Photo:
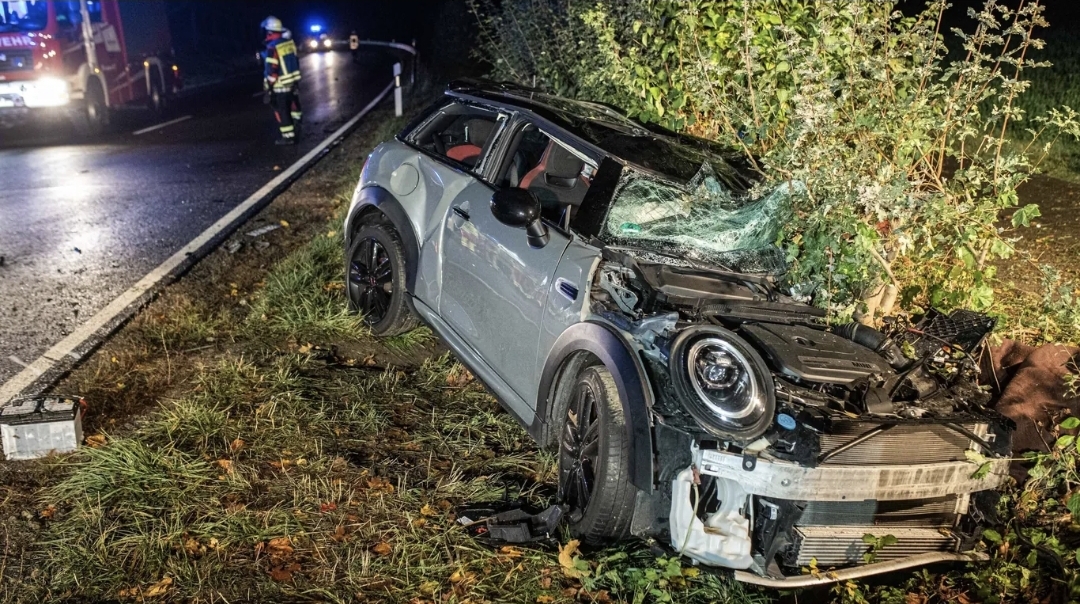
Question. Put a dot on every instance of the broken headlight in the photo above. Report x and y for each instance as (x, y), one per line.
(723, 383)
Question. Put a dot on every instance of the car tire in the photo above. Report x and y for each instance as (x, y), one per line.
(375, 270)
(92, 117)
(593, 444)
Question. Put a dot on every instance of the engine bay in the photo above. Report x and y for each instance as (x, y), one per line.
(842, 408)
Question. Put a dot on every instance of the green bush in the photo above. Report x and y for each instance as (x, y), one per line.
(903, 153)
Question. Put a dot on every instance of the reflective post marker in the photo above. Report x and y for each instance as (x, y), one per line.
(398, 109)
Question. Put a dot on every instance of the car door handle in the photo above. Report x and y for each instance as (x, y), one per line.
(462, 213)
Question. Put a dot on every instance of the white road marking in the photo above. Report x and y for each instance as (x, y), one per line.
(21, 363)
(69, 345)
(160, 126)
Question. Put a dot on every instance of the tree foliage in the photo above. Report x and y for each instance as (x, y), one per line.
(904, 151)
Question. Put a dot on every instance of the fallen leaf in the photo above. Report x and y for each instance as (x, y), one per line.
(225, 464)
(339, 534)
(383, 549)
(444, 504)
(567, 560)
(412, 446)
(96, 441)
(48, 513)
(419, 522)
(331, 234)
(282, 546)
(460, 576)
(380, 485)
(236, 445)
(284, 223)
(510, 552)
(429, 588)
(159, 589)
(544, 599)
(328, 507)
(306, 348)
(284, 573)
(427, 510)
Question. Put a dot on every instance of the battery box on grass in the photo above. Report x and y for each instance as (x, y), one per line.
(34, 427)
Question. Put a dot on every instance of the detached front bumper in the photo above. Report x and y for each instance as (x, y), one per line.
(786, 480)
(772, 514)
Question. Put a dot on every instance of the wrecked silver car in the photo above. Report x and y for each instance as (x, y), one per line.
(619, 290)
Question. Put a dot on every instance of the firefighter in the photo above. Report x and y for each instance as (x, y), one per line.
(282, 78)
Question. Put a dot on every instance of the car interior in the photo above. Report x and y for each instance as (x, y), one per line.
(458, 134)
(549, 170)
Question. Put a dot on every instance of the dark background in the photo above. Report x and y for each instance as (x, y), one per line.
(221, 27)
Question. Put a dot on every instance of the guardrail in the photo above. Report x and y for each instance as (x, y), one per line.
(411, 49)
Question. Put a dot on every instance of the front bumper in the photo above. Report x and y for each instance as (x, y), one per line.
(787, 480)
(817, 517)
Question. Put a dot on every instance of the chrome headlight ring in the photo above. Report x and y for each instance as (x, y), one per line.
(723, 383)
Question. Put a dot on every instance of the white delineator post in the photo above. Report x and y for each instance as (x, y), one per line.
(398, 109)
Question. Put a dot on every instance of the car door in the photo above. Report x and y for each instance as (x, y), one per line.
(495, 285)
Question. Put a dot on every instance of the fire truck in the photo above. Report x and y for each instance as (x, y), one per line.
(84, 59)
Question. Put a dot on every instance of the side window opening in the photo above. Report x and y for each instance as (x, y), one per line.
(459, 133)
(550, 170)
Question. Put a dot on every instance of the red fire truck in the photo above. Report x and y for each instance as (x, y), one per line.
(84, 58)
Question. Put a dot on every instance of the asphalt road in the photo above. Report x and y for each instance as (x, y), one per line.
(80, 222)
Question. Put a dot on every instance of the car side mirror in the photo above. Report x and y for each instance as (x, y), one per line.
(519, 208)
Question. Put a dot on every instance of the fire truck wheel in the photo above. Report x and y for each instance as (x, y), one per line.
(157, 101)
(92, 118)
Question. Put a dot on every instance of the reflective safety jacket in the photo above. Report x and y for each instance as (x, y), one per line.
(282, 70)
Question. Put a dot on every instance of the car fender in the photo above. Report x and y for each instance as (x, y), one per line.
(635, 391)
(377, 201)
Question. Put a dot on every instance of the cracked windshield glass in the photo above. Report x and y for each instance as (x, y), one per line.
(702, 218)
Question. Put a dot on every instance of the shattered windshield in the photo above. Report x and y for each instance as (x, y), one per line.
(701, 219)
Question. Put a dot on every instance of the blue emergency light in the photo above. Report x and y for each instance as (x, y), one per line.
(316, 29)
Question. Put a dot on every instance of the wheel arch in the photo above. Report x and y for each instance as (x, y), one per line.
(583, 345)
(376, 204)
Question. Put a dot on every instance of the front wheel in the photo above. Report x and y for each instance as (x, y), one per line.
(375, 281)
(92, 117)
(594, 460)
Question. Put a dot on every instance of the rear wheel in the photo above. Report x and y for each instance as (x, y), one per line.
(594, 458)
(375, 273)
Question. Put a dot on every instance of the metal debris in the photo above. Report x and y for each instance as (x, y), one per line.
(264, 230)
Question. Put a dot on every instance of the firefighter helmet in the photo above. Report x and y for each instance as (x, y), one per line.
(273, 24)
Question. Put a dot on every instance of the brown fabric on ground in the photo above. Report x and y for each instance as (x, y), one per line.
(1031, 385)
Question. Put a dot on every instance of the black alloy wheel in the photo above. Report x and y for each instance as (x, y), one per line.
(579, 450)
(375, 281)
(594, 458)
(371, 273)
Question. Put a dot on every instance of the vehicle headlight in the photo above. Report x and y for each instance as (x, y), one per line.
(313, 44)
(45, 92)
(723, 383)
(328, 43)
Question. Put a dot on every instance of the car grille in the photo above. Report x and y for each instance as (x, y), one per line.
(936, 512)
(843, 545)
(16, 60)
(901, 444)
